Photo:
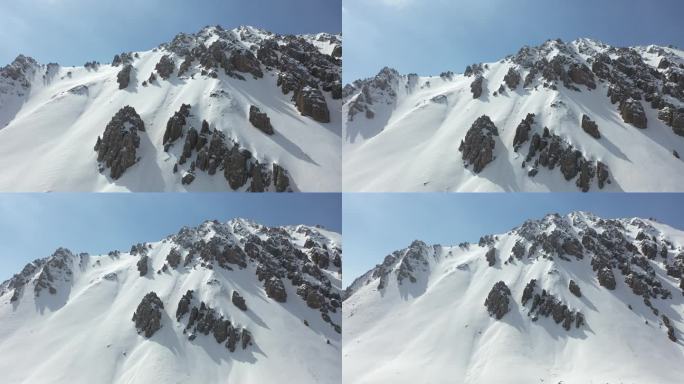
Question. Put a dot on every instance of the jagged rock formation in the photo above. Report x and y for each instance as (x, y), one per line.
(148, 316)
(260, 120)
(498, 300)
(589, 126)
(310, 102)
(174, 127)
(239, 301)
(478, 146)
(512, 79)
(522, 132)
(476, 87)
(124, 76)
(117, 147)
(143, 265)
(165, 67)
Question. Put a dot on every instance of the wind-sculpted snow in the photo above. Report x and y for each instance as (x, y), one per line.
(569, 298)
(192, 307)
(402, 132)
(48, 113)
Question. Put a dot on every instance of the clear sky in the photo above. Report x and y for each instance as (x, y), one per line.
(32, 226)
(71, 32)
(431, 36)
(374, 225)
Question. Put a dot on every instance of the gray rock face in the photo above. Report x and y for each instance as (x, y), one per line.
(632, 112)
(476, 87)
(606, 278)
(117, 147)
(478, 147)
(188, 178)
(239, 301)
(528, 292)
(174, 127)
(173, 258)
(512, 79)
(148, 316)
(275, 289)
(235, 167)
(547, 305)
(522, 132)
(491, 257)
(143, 265)
(184, 305)
(574, 288)
(310, 102)
(498, 299)
(260, 120)
(280, 179)
(165, 67)
(581, 74)
(314, 299)
(590, 127)
(124, 76)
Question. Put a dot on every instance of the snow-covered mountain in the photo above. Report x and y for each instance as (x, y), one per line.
(564, 299)
(240, 109)
(558, 117)
(222, 302)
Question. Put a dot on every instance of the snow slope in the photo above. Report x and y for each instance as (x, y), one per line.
(411, 140)
(48, 130)
(438, 330)
(83, 333)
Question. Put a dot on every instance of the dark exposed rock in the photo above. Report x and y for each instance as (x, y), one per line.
(497, 300)
(235, 167)
(528, 292)
(174, 127)
(602, 174)
(239, 301)
(188, 178)
(124, 76)
(142, 265)
(246, 338)
(314, 299)
(184, 305)
(281, 181)
(165, 67)
(260, 120)
(117, 147)
(173, 258)
(590, 127)
(512, 79)
(310, 102)
(518, 250)
(522, 131)
(148, 316)
(476, 87)
(606, 278)
(633, 113)
(478, 147)
(275, 289)
(581, 74)
(586, 174)
(574, 288)
(670, 328)
(491, 256)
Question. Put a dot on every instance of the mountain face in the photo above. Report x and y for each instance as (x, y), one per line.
(220, 110)
(571, 299)
(561, 117)
(235, 301)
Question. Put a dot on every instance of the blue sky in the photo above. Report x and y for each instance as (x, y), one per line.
(374, 225)
(72, 32)
(431, 36)
(34, 225)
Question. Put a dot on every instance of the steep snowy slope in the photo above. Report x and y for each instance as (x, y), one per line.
(265, 304)
(574, 299)
(409, 133)
(51, 117)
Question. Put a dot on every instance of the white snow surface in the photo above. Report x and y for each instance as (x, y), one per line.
(47, 136)
(437, 330)
(411, 144)
(84, 333)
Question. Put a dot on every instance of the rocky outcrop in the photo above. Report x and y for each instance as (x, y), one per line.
(547, 305)
(260, 120)
(512, 79)
(606, 278)
(478, 147)
(476, 87)
(281, 181)
(117, 147)
(143, 265)
(574, 288)
(490, 256)
(275, 289)
(522, 132)
(632, 112)
(311, 102)
(174, 127)
(165, 67)
(239, 301)
(124, 76)
(184, 305)
(498, 299)
(148, 316)
(590, 127)
(173, 258)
